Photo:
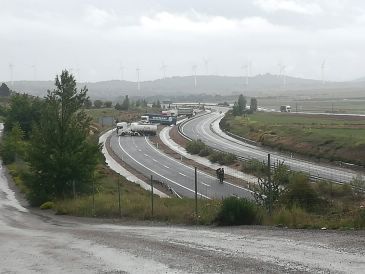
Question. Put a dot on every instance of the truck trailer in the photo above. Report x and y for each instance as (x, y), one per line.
(158, 119)
(135, 129)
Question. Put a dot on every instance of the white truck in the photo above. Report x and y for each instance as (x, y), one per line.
(135, 129)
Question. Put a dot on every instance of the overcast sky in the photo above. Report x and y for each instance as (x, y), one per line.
(97, 38)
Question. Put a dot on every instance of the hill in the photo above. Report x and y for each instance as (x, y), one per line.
(259, 85)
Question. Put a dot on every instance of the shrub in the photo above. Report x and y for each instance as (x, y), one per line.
(195, 146)
(299, 192)
(360, 219)
(254, 167)
(222, 158)
(205, 152)
(238, 211)
(47, 205)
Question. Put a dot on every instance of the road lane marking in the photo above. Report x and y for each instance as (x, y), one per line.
(205, 184)
(189, 167)
(146, 155)
(158, 174)
(182, 174)
(166, 166)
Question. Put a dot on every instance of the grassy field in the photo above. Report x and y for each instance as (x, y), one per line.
(336, 138)
(322, 105)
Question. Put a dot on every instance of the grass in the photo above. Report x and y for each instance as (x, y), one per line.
(329, 137)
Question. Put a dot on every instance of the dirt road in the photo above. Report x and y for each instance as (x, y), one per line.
(36, 242)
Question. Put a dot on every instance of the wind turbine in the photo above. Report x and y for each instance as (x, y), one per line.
(282, 74)
(138, 82)
(206, 63)
(194, 67)
(323, 66)
(246, 67)
(34, 68)
(163, 69)
(11, 69)
(121, 68)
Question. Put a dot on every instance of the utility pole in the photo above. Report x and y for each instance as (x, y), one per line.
(119, 204)
(93, 213)
(269, 182)
(151, 196)
(196, 192)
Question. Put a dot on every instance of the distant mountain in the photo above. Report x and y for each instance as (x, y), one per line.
(266, 84)
(362, 79)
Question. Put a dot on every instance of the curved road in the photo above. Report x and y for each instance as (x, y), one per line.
(206, 128)
(142, 156)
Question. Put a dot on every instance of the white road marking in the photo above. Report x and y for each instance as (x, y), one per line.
(158, 174)
(191, 168)
(154, 160)
(205, 184)
(166, 166)
(146, 155)
(182, 174)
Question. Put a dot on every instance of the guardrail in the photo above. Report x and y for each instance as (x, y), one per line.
(242, 158)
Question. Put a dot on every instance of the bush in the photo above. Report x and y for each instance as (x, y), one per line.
(222, 158)
(238, 211)
(47, 205)
(360, 219)
(300, 192)
(254, 167)
(205, 152)
(195, 146)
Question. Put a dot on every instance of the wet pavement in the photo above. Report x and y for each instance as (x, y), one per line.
(33, 241)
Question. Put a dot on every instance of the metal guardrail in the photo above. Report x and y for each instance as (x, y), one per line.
(311, 176)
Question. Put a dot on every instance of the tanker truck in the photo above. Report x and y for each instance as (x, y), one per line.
(135, 129)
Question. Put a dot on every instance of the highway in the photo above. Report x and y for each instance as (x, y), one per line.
(206, 128)
(140, 154)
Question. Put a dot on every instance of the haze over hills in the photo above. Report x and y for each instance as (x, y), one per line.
(259, 85)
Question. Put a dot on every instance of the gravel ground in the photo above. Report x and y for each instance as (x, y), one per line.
(33, 241)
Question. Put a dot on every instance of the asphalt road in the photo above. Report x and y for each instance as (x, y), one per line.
(146, 159)
(206, 128)
(33, 241)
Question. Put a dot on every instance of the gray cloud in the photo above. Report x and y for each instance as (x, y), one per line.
(96, 38)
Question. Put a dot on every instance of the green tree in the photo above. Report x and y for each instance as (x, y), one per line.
(126, 104)
(98, 103)
(13, 145)
(88, 103)
(61, 153)
(253, 104)
(4, 90)
(108, 104)
(24, 110)
(241, 104)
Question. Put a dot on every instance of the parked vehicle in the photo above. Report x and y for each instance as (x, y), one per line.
(135, 129)
(158, 119)
(189, 112)
(285, 108)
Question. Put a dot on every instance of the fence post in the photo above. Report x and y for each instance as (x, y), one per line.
(269, 182)
(119, 204)
(151, 196)
(74, 189)
(196, 192)
(93, 213)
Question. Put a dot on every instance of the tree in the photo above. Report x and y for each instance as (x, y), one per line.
(241, 104)
(61, 154)
(125, 105)
(4, 90)
(253, 104)
(98, 103)
(88, 103)
(108, 104)
(13, 145)
(24, 110)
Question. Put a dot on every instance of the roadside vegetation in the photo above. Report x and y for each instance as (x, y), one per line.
(201, 149)
(334, 138)
(63, 170)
